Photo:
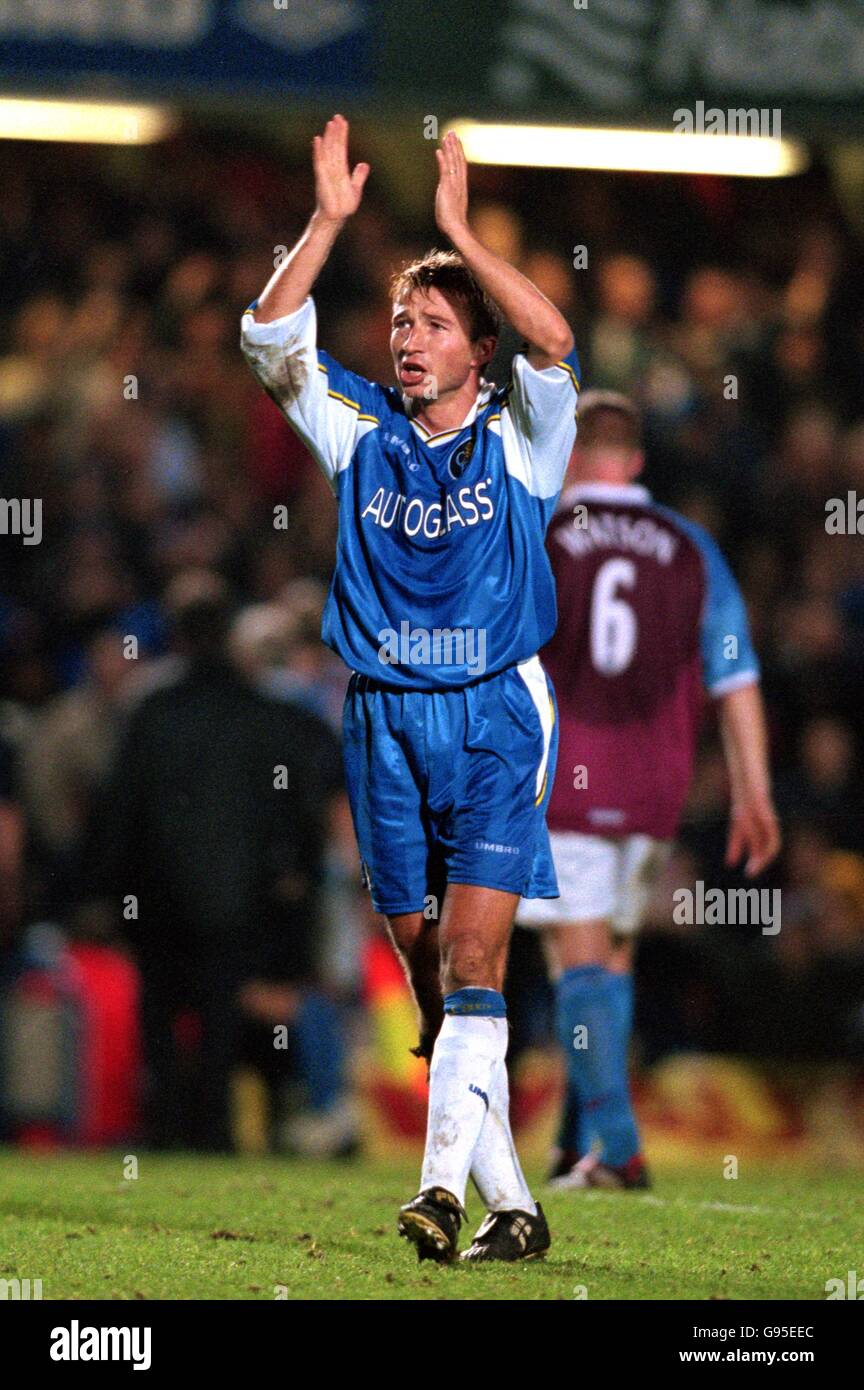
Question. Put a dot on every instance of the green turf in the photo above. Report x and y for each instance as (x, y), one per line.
(217, 1228)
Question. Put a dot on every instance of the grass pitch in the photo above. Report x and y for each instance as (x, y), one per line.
(191, 1227)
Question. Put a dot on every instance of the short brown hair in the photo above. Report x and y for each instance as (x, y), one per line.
(610, 418)
(447, 272)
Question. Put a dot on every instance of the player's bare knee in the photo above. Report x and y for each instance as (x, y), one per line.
(469, 961)
(621, 956)
(405, 932)
(583, 943)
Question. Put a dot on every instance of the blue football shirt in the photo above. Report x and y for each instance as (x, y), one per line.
(441, 573)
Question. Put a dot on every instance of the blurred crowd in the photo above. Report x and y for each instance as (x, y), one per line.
(174, 601)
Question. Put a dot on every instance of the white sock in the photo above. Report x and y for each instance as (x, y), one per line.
(495, 1168)
(467, 1050)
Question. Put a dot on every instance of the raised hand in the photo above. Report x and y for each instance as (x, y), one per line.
(451, 195)
(337, 191)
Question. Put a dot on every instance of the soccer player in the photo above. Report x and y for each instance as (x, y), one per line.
(441, 597)
(649, 613)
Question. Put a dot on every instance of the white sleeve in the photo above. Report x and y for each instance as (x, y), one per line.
(285, 359)
(538, 423)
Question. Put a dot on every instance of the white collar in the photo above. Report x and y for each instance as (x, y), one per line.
(633, 493)
(484, 395)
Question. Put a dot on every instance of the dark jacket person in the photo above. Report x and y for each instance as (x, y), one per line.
(216, 801)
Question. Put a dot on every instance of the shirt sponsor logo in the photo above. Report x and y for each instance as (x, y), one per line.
(393, 511)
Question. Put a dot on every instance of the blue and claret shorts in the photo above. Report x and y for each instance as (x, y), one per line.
(451, 786)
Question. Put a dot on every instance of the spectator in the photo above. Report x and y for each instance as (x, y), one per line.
(210, 839)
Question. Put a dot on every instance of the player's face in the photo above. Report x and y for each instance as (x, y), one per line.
(431, 347)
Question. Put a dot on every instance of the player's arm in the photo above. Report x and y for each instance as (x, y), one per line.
(327, 406)
(731, 673)
(538, 425)
(532, 315)
(337, 196)
(753, 827)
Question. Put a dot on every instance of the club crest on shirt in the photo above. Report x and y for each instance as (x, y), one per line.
(460, 460)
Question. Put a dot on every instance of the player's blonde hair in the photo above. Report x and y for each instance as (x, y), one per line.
(609, 419)
(446, 271)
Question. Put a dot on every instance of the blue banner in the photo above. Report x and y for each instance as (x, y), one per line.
(222, 45)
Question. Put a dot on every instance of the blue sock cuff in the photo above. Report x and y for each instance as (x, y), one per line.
(622, 983)
(579, 974)
(474, 1000)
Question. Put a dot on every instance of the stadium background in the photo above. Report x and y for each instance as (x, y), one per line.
(126, 406)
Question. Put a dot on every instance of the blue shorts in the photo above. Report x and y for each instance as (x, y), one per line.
(451, 786)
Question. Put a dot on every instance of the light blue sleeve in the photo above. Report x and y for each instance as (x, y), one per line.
(329, 407)
(538, 422)
(728, 658)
